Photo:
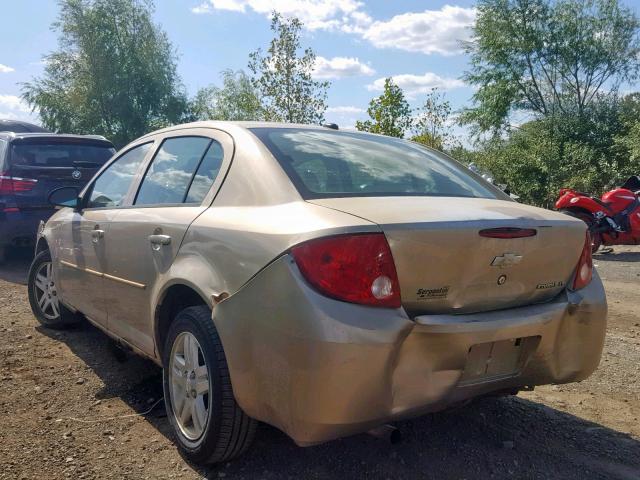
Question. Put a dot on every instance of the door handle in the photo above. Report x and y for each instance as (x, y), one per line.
(158, 240)
(96, 235)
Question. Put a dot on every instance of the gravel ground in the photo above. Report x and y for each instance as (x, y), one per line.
(70, 408)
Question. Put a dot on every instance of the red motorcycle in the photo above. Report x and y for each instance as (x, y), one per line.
(613, 220)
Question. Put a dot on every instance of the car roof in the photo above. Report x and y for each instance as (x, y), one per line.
(228, 125)
(61, 137)
(10, 125)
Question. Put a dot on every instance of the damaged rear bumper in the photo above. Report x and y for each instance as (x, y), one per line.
(320, 369)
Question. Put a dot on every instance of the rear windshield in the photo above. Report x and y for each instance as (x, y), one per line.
(60, 155)
(326, 164)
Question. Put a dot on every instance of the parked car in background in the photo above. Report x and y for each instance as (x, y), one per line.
(34, 164)
(18, 126)
(321, 281)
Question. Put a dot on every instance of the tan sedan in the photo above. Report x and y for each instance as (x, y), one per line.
(321, 281)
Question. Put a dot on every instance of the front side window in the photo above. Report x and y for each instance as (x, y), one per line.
(172, 170)
(111, 187)
(327, 164)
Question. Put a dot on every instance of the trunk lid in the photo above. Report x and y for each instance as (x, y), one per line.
(445, 266)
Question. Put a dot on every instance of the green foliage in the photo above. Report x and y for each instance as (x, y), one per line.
(283, 79)
(114, 72)
(432, 123)
(548, 57)
(592, 152)
(390, 113)
(236, 100)
(628, 139)
(560, 65)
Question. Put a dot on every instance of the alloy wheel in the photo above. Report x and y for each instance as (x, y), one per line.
(189, 386)
(45, 292)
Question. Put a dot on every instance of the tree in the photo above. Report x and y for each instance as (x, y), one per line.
(591, 153)
(390, 113)
(431, 126)
(283, 78)
(628, 138)
(114, 72)
(236, 100)
(548, 57)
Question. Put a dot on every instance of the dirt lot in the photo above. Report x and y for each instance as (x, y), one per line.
(59, 389)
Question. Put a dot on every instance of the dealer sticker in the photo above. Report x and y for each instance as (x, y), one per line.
(432, 293)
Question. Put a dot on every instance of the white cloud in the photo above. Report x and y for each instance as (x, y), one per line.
(343, 15)
(13, 108)
(345, 110)
(208, 7)
(431, 31)
(13, 102)
(6, 69)
(416, 84)
(339, 67)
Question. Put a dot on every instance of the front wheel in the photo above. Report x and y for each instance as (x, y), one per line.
(596, 237)
(43, 295)
(209, 425)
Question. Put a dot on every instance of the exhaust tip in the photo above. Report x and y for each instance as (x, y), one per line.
(388, 433)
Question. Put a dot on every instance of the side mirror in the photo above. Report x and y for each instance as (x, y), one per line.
(65, 197)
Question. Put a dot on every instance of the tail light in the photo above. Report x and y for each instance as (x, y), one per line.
(352, 268)
(584, 270)
(9, 184)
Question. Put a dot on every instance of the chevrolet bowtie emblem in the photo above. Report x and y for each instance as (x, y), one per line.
(506, 260)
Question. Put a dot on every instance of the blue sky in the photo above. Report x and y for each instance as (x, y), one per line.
(358, 44)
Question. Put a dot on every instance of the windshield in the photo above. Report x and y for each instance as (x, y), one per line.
(326, 164)
(60, 155)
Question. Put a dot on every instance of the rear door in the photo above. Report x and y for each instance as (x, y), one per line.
(144, 238)
(51, 163)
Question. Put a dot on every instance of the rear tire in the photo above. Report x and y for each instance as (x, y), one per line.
(596, 237)
(43, 295)
(209, 425)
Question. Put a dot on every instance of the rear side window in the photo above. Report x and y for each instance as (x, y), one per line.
(182, 171)
(60, 155)
(111, 187)
(326, 164)
(206, 174)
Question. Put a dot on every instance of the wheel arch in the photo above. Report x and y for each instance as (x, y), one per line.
(173, 298)
(42, 244)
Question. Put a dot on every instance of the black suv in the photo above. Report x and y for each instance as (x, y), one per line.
(34, 164)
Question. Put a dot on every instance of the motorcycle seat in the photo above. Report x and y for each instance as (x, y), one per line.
(600, 202)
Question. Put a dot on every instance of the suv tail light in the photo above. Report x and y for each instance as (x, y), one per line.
(352, 268)
(9, 184)
(584, 270)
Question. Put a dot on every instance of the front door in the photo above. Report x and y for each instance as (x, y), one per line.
(82, 251)
(145, 237)
(80, 259)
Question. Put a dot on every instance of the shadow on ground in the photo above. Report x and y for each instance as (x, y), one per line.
(491, 438)
(15, 268)
(618, 256)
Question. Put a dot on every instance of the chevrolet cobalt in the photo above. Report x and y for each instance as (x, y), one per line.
(322, 281)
